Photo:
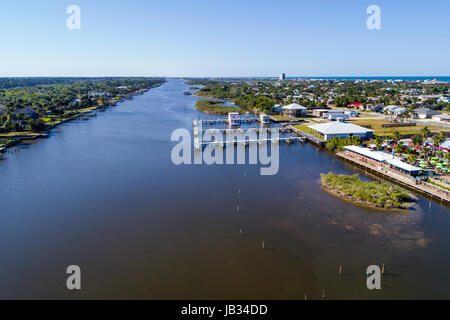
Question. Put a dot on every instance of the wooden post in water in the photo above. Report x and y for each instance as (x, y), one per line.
(340, 269)
(263, 245)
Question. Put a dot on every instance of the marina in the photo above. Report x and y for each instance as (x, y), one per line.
(168, 229)
(398, 177)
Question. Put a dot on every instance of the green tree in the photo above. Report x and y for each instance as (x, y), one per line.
(396, 136)
(425, 132)
(411, 158)
(378, 142)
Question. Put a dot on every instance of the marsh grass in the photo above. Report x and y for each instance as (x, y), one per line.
(215, 107)
(380, 195)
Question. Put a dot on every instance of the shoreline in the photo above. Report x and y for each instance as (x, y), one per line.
(21, 137)
(366, 205)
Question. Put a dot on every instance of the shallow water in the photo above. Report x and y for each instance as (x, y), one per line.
(103, 194)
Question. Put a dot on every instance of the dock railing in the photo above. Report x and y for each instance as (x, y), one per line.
(395, 175)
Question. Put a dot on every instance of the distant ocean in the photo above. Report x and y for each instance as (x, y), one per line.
(374, 78)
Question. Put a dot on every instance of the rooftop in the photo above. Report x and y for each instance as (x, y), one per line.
(376, 155)
(294, 106)
(383, 157)
(339, 128)
(396, 162)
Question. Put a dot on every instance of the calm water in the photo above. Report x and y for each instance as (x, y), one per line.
(103, 194)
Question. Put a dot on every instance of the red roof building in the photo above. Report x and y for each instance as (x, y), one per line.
(355, 105)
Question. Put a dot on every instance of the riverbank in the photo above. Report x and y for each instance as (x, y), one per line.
(8, 140)
(371, 194)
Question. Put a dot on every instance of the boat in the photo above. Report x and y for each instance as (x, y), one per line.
(186, 93)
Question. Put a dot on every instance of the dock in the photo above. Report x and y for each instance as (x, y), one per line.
(245, 142)
(307, 136)
(222, 120)
(400, 178)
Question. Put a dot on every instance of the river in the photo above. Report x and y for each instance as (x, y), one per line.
(103, 194)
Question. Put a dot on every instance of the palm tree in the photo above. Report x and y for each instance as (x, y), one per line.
(396, 136)
(417, 141)
(425, 132)
(399, 148)
(426, 153)
(378, 142)
(411, 158)
(438, 139)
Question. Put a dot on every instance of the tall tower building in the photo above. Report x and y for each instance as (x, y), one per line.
(282, 76)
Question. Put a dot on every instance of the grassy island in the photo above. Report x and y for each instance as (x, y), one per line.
(215, 107)
(372, 194)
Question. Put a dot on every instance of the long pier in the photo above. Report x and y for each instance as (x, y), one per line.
(245, 142)
(307, 136)
(223, 120)
(401, 178)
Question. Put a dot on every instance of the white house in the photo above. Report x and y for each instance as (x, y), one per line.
(295, 110)
(424, 113)
(341, 130)
(444, 99)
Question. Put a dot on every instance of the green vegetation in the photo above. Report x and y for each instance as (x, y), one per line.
(375, 124)
(35, 104)
(215, 107)
(339, 144)
(4, 142)
(379, 195)
(247, 101)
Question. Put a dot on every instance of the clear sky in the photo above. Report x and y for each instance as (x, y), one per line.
(225, 38)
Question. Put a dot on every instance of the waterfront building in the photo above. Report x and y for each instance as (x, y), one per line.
(341, 130)
(381, 159)
(234, 119)
(282, 76)
(294, 110)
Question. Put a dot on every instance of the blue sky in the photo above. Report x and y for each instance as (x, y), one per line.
(224, 38)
